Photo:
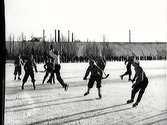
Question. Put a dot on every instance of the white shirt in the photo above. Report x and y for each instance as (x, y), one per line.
(55, 57)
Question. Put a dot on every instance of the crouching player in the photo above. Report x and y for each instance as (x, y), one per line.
(96, 75)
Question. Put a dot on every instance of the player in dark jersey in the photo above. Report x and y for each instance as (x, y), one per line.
(141, 82)
(17, 71)
(28, 67)
(128, 63)
(49, 69)
(96, 75)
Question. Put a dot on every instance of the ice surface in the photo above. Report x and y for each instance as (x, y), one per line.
(50, 104)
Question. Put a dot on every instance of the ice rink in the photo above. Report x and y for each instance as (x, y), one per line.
(50, 104)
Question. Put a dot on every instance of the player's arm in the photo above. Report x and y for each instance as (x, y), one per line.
(87, 73)
(134, 78)
(126, 61)
(21, 61)
(51, 53)
(45, 66)
(34, 65)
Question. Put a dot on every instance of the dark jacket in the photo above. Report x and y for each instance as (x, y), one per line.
(94, 70)
(28, 67)
(18, 62)
(48, 66)
(128, 66)
(140, 76)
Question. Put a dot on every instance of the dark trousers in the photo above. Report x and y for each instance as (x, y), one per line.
(57, 71)
(46, 75)
(27, 74)
(141, 88)
(92, 81)
(17, 70)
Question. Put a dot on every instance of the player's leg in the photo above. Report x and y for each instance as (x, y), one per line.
(53, 79)
(19, 72)
(139, 97)
(98, 86)
(24, 79)
(50, 78)
(15, 72)
(141, 92)
(130, 74)
(58, 76)
(133, 93)
(90, 85)
(87, 92)
(46, 74)
(32, 79)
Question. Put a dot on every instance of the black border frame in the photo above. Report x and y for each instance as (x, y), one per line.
(2, 60)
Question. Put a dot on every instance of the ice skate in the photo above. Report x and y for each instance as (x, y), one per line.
(86, 93)
(135, 104)
(100, 96)
(49, 82)
(34, 85)
(129, 101)
(22, 87)
(19, 78)
(66, 87)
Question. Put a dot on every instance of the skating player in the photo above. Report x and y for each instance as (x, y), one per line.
(49, 69)
(96, 75)
(56, 67)
(18, 62)
(141, 82)
(28, 67)
(128, 67)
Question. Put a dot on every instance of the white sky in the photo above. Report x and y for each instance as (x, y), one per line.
(89, 19)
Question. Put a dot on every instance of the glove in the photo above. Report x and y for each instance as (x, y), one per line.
(84, 78)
